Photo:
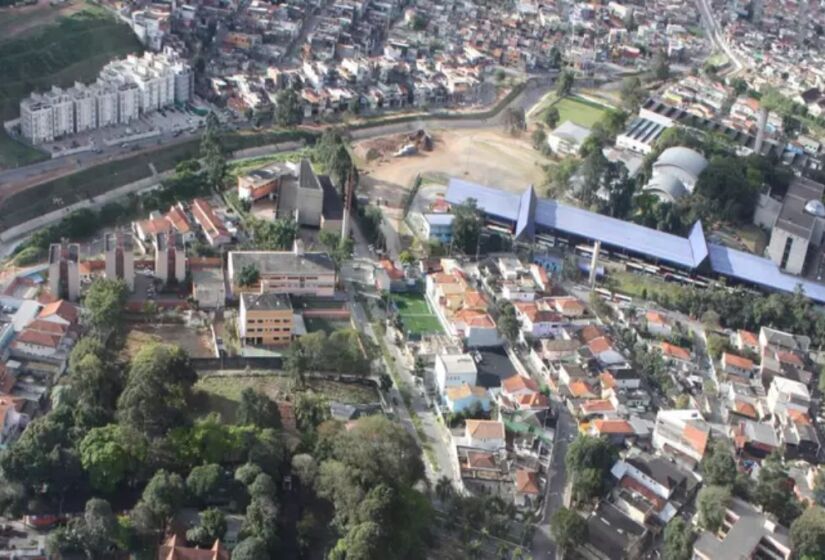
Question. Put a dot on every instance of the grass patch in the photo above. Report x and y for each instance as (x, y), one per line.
(580, 111)
(640, 286)
(75, 48)
(238, 168)
(315, 324)
(17, 154)
(415, 314)
(222, 394)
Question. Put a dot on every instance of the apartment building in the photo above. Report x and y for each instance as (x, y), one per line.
(265, 319)
(170, 258)
(745, 533)
(120, 257)
(284, 272)
(455, 371)
(125, 89)
(64, 271)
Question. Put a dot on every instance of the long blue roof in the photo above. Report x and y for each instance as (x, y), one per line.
(688, 252)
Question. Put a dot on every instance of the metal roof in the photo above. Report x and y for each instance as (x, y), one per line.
(493, 201)
(691, 161)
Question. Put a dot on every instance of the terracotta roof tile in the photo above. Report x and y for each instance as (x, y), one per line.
(527, 482)
(516, 383)
(613, 427)
(675, 352)
(485, 429)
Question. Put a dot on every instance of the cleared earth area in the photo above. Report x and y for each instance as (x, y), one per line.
(486, 156)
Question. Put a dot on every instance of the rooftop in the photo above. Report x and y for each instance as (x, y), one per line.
(265, 302)
(749, 528)
(281, 262)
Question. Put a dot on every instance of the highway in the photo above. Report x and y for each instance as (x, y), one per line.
(714, 30)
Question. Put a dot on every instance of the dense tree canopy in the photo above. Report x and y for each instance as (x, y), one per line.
(467, 225)
(678, 540)
(104, 303)
(712, 502)
(258, 410)
(110, 454)
(568, 528)
(808, 533)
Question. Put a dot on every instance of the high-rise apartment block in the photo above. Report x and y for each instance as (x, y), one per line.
(125, 89)
(170, 258)
(120, 257)
(64, 271)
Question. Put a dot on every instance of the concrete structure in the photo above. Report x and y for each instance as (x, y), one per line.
(36, 122)
(800, 224)
(285, 272)
(213, 229)
(454, 371)
(209, 287)
(484, 434)
(301, 197)
(640, 135)
(568, 138)
(265, 319)
(120, 258)
(64, 270)
(261, 183)
(438, 227)
(745, 533)
(675, 173)
(466, 397)
(170, 258)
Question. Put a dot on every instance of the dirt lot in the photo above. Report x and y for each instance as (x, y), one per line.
(196, 342)
(18, 22)
(486, 156)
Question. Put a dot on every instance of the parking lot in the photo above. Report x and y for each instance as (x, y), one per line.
(153, 127)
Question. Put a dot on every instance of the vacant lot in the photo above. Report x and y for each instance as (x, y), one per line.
(487, 156)
(222, 394)
(196, 341)
(415, 314)
(16, 154)
(19, 22)
(329, 326)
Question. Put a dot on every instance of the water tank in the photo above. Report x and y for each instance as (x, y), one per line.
(815, 208)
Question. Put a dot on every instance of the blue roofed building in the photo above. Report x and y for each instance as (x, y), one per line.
(544, 221)
(439, 227)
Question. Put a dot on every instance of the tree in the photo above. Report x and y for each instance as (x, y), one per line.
(289, 111)
(249, 276)
(718, 466)
(568, 528)
(305, 467)
(262, 486)
(808, 533)
(564, 84)
(157, 390)
(739, 85)
(109, 454)
(661, 67)
(632, 93)
(261, 520)
(406, 258)
(467, 224)
(247, 473)
(161, 499)
(819, 487)
(339, 249)
(507, 323)
(587, 462)
(251, 548)
(311, 409)
(515, 120)
(205, 481)
(730, 194)
(678, 540)
(274, 235)
(93, 534)
(712, 503)
(551, 117)
(212, 527)
(212, 152)
(774, 490)
(258, 410)
(104, 304)
(539, 138)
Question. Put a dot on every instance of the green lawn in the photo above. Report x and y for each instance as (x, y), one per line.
(415, 314)
(222, 394)
(315, 324)
(580, 111)
(17, 154)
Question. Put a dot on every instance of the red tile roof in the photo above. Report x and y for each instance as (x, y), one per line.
(675, 352)
(37, 338)
(745, 409)
(695, 437)
(737, 361)
(527, 482)
(612, 427)
(60, 308)
(516, 383)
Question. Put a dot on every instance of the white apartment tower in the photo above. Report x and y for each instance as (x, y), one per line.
(170, 258)
(106, 98)
(62, 111)
(85, 107)
(36, 122)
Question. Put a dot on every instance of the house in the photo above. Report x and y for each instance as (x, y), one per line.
(12, 419)
(174, 549)
(518, 385)
(745, 533)
(567, 138)
(737, 365)
(484, 434)
(388, 277)
(681, 434)
(657, 324)
(284, 272)
(261, 183)
(528, 488)
(213, 229)
(265, 319)
(439, 228)
(785, 341)
(462, 311)
(754, 439)
(537, 321)
(558, 349)
(568, 306)
(465, 397)
(648, 488)
(746, 341)
(786, 395)
(455, 370)
(603, 350)
(61, 312)
(615, 430)
(675, 354)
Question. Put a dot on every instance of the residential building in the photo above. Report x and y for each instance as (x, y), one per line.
(36, 120)
(438, 227)
(214, 230)
(649, 488)
(174, 549)
(657, 324)
(466, 397)
(484, 434)
(745, 533)
(737, 365)
(286, 272)
(120, 258)
(64, 270)
(261, 183)
(455, 370)
(567, 138)
(681, 434)
(170, 258)
(265, 319)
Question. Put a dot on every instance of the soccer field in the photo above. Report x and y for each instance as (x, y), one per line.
(416, 315)
(579, 111)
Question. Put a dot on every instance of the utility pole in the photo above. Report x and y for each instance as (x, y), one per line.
(593, 262)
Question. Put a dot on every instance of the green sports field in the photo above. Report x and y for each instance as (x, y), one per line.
(579, 111)
(415, 314)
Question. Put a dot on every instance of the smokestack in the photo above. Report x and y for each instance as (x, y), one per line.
(760, 132)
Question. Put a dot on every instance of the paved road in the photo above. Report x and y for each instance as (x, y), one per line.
(714, 30)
